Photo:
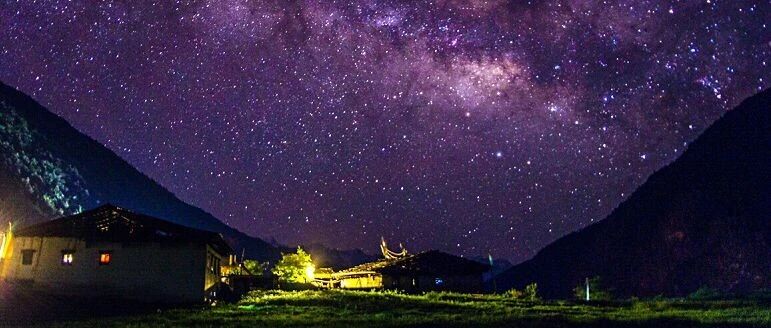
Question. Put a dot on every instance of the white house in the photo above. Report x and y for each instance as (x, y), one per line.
(109, 251)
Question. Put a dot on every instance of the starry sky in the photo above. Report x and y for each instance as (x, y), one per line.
(474, 127)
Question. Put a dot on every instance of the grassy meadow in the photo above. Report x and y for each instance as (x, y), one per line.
(337, 308)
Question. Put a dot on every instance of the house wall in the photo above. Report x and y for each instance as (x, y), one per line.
(213, 272)
(150, 272)
(368, 282)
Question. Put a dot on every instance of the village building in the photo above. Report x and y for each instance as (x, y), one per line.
(427, 271)
(110, 251)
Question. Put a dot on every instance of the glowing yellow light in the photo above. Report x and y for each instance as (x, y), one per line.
(310, 271)
(104, 258)
(67, 258)
(5, 241)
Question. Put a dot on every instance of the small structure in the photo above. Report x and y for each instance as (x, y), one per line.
(109, 251)
(239, 279)
(428, 271)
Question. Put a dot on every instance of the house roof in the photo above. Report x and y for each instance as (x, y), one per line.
(430, 263)
(115, 224)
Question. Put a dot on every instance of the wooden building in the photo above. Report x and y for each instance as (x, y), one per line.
(427, 271)
(109, 251)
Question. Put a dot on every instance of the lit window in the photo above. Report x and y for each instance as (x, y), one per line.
(105, 257)
(439, 281)
(67, 257)
(26, 256)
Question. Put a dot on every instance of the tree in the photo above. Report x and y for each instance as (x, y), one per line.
(597, 291)
(254, 267)
(295, 268)
(531, 292)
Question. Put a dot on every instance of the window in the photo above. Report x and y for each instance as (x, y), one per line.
(26, 256)
(213, 264)
(67, 256)
(438, 281)
(105, 257)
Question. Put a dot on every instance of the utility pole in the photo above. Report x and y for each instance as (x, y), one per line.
(490, 259)
(588, 298)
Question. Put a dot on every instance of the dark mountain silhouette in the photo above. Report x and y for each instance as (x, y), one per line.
(498, 266)
(49, 169)
(703, 220)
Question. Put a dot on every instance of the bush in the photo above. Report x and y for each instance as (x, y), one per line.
(531, 292)
(514, 293)
(706, 293)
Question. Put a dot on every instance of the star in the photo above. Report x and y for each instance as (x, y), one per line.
(323, 119)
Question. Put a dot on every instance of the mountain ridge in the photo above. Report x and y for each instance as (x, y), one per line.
(701, 220)
(50, 169)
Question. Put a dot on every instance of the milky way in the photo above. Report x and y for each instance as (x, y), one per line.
(474, 127)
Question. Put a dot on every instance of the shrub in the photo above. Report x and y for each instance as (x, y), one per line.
(706, 293)
(531, 292)
(514, 293)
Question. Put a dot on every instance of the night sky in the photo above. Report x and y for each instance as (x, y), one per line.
(470, 126)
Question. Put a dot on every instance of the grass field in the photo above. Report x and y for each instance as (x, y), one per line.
(382, 309)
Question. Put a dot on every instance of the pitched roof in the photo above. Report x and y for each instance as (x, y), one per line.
(115, 224)
(429, 263)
